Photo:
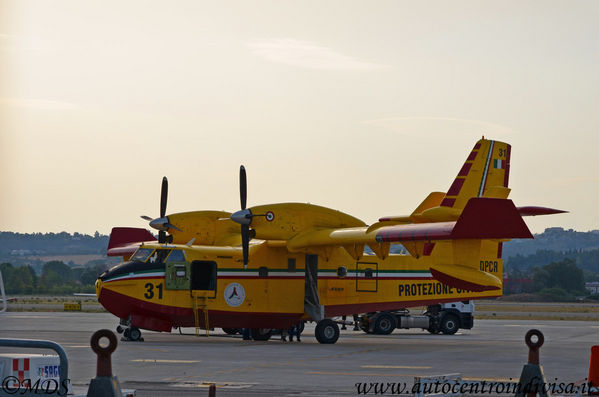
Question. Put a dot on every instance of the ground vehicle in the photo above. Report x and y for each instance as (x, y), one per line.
(444, 317)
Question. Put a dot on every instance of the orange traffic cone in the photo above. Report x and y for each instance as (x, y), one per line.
(594, 371)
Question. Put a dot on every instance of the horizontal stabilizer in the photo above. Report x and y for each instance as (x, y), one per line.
(534, 211)
(482, 218)
(465, 277)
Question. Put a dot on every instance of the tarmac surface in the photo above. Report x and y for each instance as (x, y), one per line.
(184, 365)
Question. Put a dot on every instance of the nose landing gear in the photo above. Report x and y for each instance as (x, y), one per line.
(130, 332)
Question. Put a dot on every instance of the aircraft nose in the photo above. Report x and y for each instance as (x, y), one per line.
(99, 284)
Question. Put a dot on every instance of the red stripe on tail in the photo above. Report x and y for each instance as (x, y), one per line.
(506, 177)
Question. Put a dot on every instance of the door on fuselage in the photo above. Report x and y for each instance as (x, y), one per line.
(312, 305)
(367, 276)
(203, 278)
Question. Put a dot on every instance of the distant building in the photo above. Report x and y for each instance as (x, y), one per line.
(21, 252)
(592, 287)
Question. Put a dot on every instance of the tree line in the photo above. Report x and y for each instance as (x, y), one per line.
(561, 280)
(56, 278)
(587, 260)
(52, 243)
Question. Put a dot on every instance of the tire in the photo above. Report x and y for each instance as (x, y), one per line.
(232, 331)
(134, 334)
(120, 329)
(301, 327)
(384, 324)
(433, 327)
(449, 324)
(327, 331)
(261, 334)
(364, 324)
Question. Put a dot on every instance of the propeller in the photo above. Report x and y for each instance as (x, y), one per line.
(162, 224)
(243, 216)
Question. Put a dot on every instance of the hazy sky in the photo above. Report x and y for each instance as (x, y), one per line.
(365, 107)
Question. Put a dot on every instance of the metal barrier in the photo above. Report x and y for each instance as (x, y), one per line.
(3, 293)
(40, 344)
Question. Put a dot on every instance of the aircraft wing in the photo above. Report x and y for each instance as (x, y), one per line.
(482, 218)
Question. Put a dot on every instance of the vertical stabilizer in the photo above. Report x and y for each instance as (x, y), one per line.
(484, 174)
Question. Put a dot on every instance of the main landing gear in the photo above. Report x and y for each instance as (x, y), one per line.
(327, 331)
(130, 333)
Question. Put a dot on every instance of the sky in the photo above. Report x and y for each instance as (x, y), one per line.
(364, 107)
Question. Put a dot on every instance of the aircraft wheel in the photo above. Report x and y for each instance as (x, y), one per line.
(261, 334)
(134, 334)
(232, 331)
(449, 324)
(327, 331)
(120, 329)
(301, 327)
(384, 324)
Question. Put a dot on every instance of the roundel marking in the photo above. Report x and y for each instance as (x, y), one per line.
(234, 294)
(270, 216)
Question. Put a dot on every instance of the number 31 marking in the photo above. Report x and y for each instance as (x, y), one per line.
(150, 290)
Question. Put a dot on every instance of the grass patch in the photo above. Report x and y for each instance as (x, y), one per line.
(547, 308)
(530, 317)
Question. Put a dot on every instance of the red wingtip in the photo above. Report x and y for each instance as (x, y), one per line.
(122, 236)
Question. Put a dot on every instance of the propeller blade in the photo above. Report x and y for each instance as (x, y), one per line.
(242, 186)
(147, 218)
(245, 244)
(163, 196)
(171, 226)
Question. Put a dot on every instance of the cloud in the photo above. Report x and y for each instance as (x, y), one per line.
(439, 125)
(305, 54)
(40, 104)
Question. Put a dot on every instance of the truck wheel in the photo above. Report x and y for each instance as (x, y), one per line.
(232, 331)
(364, 324)
(327, 331)
(384, 324)
(449, 324)
(261, 334)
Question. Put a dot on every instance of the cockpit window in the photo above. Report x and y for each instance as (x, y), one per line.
(159, 256)
(141, 254)
(176, 256)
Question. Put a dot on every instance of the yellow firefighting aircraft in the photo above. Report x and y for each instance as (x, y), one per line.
(295, 261)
